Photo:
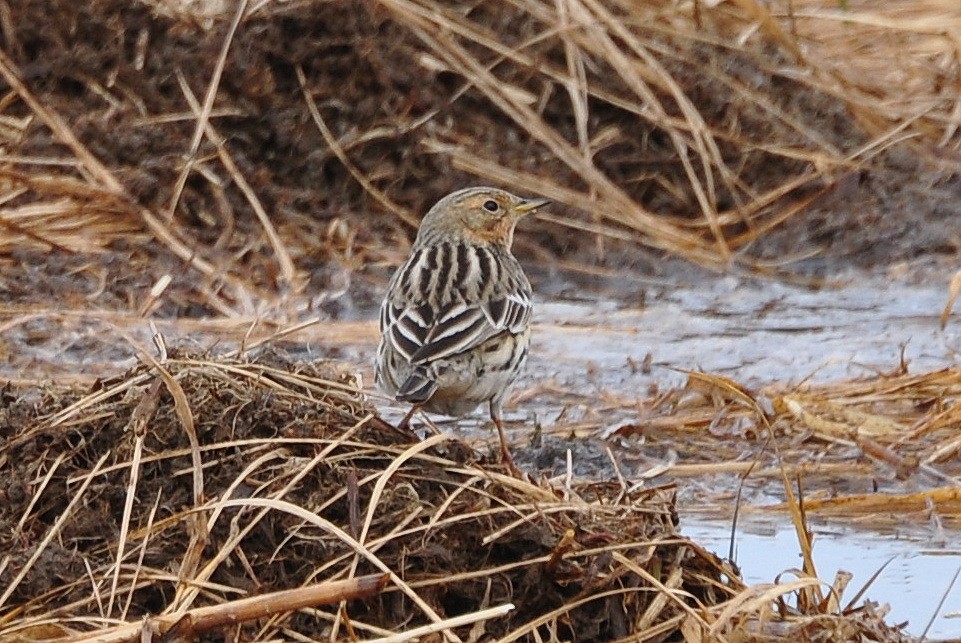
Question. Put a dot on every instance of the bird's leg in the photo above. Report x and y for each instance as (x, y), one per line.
(505, 452)
(403, 425)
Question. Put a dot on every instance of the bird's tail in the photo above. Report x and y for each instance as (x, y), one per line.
(418, 387)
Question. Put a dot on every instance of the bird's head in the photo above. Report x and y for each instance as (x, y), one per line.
(477, 215)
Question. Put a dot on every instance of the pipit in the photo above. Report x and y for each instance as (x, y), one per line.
(455, 323)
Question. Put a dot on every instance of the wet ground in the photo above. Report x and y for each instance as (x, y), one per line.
(595, 362)
(595, 365)
(597, 353)
(763, 332)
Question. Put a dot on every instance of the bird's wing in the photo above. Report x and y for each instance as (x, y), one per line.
(421, 335)
(483, 295)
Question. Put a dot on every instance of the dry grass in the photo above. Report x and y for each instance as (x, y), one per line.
(221, 159)
(189, 486)
(690, 129)
(858, 449)
(917, 95)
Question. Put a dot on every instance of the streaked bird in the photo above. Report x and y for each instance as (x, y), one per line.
(455, 322)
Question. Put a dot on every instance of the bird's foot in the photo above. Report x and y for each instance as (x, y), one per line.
(506, 457)
(509, 461)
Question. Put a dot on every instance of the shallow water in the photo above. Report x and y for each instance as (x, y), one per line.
(754, 332)
(918, 574)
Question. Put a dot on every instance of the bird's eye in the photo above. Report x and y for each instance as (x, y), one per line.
(491, 206)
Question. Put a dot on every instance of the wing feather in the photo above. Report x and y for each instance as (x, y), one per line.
(480, 310)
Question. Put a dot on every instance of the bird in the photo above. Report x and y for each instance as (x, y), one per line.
(455, 320)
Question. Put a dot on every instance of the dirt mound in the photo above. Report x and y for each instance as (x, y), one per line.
(184, 486)
(225, 478)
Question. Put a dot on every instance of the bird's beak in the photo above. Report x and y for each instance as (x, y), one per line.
(529, 205)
